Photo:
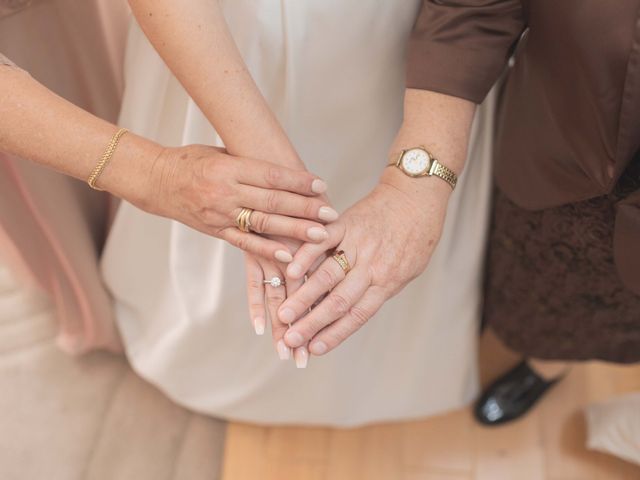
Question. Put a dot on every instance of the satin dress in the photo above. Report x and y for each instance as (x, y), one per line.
(334, 74)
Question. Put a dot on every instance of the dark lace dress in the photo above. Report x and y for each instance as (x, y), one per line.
(552, 289)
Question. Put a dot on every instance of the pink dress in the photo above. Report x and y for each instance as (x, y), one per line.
(51, 226)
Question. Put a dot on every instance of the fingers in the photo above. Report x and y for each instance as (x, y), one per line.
(273, 177)
(309, 253)
(300, 354)
(337, 304)
(274, 296)
(323, 280)
(257, 245)
(282, 226)
(255, 294)
(336, 333)
(257, 311)
(286, 203)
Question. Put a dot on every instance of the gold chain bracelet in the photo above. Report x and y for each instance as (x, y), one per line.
(106, 158)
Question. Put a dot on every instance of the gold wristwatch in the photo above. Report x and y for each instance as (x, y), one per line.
(418, 162)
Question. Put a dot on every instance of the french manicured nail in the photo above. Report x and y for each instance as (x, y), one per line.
(318, 348)
(284, 352)
(317, 234)
(258, 324)
(283, 256)
(287, 315)
(294, 270)
(301, 356)
(327, 214)
(318, 186)
(294, 339)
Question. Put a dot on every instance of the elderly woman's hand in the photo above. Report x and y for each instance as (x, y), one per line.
(388, 238)
(206, 188)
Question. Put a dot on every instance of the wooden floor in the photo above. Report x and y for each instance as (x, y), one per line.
(546, 445)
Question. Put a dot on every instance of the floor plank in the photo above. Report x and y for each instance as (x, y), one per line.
(549, 444)
(502, 451)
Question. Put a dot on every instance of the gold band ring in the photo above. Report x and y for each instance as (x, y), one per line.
(340, 257)
(243, 220)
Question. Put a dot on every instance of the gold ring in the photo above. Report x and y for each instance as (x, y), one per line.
(243, 220)
(340, 257)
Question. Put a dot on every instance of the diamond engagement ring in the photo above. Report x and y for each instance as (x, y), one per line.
(275, 282)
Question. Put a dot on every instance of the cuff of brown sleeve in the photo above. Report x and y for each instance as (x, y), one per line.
(463, 73)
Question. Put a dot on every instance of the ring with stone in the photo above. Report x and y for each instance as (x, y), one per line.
(275, 282)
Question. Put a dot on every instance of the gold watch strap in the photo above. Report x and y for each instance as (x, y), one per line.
(445, 173)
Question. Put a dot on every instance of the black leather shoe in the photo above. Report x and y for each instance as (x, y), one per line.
(511, 396)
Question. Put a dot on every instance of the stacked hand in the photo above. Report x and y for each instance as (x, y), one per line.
(317, 298)
(387, 239)
(207, 189)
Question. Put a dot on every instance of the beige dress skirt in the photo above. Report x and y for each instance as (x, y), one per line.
(333, 72)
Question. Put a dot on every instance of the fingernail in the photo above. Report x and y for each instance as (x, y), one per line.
(318, 348)
(283, 351)
(283, 256)
(294, 270)
(301, 356)
(327, 214)
(287, 315)
(258, 324)
(318, 186)
(317, 233)
(294, 339)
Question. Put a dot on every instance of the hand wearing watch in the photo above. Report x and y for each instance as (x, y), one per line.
(418, 162)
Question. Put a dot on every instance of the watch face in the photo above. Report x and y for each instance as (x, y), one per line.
(415, 161)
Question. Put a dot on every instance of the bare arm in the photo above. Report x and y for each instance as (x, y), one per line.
(200, 186)
(193, 39)
(388, 237)
(37, 124)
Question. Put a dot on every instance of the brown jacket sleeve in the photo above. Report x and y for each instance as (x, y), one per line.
(460, 47)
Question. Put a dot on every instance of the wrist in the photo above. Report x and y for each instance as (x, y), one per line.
(418, 190)
(131, 173)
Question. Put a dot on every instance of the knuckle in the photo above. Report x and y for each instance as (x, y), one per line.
(303, 181)
(243, 242)
(255, 283)
(326, 277)
(208, 217)
(311, 209)
(275, 299)
(256, 307)
(309, 327)
(339, 304)
(298, 229)
(334, 337)
(273, 176)
(259, 222)
(272, 201)
(360, 315)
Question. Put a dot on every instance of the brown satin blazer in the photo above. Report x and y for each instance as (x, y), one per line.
(570, 113)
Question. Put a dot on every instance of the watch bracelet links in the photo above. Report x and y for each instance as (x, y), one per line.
(445, 173)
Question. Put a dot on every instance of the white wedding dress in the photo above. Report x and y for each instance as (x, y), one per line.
(333, 72)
